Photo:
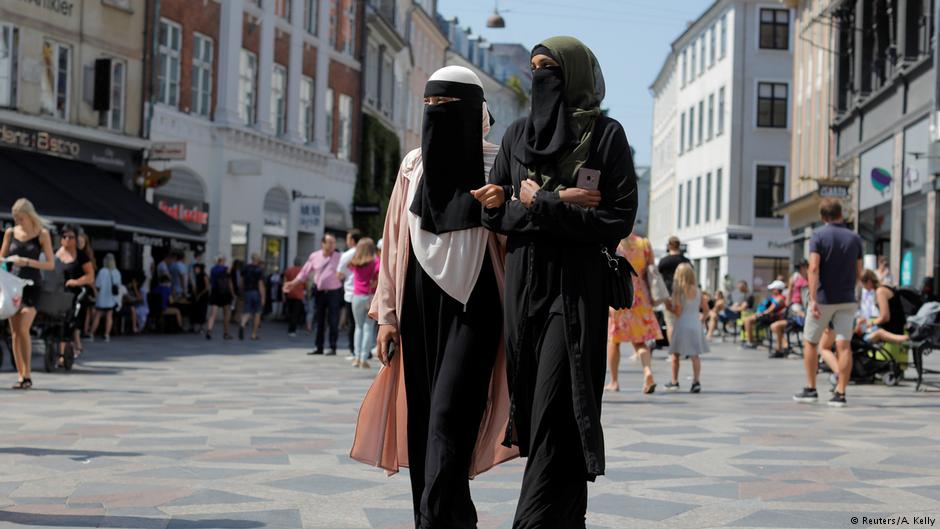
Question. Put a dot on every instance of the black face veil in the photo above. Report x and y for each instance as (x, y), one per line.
(546, 130)
(452, 153)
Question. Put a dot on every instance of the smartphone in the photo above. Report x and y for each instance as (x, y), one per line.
(391, 351)
(589, 178)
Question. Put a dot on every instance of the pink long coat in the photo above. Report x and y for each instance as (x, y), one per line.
(381, 429)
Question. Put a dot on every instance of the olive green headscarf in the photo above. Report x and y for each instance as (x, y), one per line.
(583, 92)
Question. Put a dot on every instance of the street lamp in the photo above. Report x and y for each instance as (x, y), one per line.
(495, 20)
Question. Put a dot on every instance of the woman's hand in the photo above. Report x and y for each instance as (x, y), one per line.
(581, 197)
(490, 195)
(288, 285)
(72, 283)
(527, 193)
(387, 334)
(18, 261)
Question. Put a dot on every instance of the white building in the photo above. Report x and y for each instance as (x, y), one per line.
(732, 68)
(662, 171)
(269, 138)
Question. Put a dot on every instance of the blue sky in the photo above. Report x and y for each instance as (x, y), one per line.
(630, 38)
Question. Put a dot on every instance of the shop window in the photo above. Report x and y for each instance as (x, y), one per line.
(113, 118)
(772, 105)
(168, 62)
(345, 127)
(247, 97)
(202, 75)
(774, 29)
(239, 241)
(306, 107)
(56, 75)
(769, 191)
(9, 37)
(913, 241)
(279, 99)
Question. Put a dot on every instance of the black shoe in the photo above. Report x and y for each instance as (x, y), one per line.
(837, 400)
(696, 387)
(672, 386)
(241, 333)
(208, 336)
(331, 353)
(777, 354)
(316, 352)
(808, 396)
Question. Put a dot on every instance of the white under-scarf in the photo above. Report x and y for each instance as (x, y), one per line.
(453, 259)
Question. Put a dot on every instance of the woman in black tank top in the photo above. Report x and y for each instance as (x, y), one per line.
(891, 317)
(24, 243)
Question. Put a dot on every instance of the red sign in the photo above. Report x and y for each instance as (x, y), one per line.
(194, 216)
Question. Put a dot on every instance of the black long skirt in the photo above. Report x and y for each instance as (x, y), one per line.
(449, 352)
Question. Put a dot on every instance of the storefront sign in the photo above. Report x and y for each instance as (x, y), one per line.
(366, 209)
(877, 175)
(168, 150)
(194, 216)
(275, 224)
(162, 242)
(107, 157)
(834, 191)
(907, 269)
(61, 7)
(239, 234)
(740, 236)
(310, 217)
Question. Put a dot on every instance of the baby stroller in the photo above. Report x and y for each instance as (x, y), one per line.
(57, 313)
(924, 331)
(872, 361)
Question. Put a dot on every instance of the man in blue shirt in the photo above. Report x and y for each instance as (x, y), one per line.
(835, 264)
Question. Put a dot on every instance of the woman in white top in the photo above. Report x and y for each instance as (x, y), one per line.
(108, 284)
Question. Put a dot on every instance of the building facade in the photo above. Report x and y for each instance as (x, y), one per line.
(884, 93)
(263, 98)
(428, 49)
(733, 68)
(662, 171)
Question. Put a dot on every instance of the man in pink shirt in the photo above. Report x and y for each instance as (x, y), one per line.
(329, 290)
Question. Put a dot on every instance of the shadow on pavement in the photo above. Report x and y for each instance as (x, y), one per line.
(77, 455)
(128, 522)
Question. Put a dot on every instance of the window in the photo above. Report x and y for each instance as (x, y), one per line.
(692, 63)
(721, 111)
(57, 65)
(279, 99)
(691, 127)
(688, 203)
(114, 117)
(774, 29)
(282, 8)
(310, 16)
(698, 199)
(769, 190)
(772, 105)
(349, 45)
(711, 115)
(711, 46)
(702, 57)
(306, 107)
(333, 28)
(387, 79)
(682, 133)
(168, 63)
(682, 66)
(329, 119)
(202, 75)
(701, 121)
(679, 209)
(724, 37)
(718, 194)
(8, 48)
(247, 96)
(708, 197)
(345, 127)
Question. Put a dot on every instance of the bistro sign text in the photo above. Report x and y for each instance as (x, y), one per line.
(39, 141)
(56, 6)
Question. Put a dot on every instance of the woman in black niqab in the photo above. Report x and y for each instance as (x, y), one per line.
(566, 186)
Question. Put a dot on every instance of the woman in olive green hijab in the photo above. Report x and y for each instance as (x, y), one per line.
(563, 187)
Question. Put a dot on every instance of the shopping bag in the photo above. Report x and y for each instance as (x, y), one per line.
(11, 293)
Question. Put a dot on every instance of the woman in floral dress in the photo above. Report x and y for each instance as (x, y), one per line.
(636, 325)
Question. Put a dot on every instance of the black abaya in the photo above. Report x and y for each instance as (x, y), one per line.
(451, 350)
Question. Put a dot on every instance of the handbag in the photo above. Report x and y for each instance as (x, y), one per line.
(619, 280)
(658, 291)
(114, 288)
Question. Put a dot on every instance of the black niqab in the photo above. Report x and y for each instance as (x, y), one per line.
(452, 154)
(546, 129)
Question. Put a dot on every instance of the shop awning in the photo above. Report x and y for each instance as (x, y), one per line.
(70, 191)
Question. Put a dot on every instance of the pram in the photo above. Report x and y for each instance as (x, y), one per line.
(883, 360)
(56, 313)
(924, 331)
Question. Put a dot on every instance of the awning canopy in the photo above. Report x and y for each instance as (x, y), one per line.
(70, 191)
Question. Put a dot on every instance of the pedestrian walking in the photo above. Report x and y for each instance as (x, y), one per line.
(688, 337)
(835, 265)
(90, 293)
(108, 284)
(636, 325)
(294, 298)
(353, 237)
(364, 268)
(221, 292)
(238, 301)
(253, 294)
(79, 280)
(23, 245)
(574, 195)
(328, 293)
(667, 268)
(200, 300)
(439, 314)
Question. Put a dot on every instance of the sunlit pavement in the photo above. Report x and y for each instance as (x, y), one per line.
(179, 432)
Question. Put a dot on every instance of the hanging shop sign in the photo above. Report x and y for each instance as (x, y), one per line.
(168, 150)
(193, 215)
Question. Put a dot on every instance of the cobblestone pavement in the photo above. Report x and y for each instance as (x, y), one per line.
(176, 432)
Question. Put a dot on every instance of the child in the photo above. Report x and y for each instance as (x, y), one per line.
(687, 336)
